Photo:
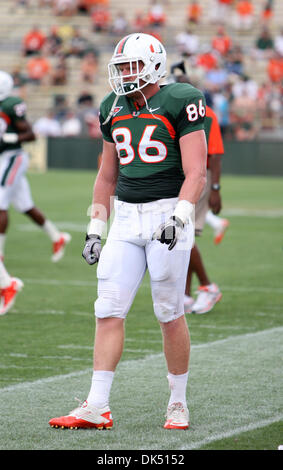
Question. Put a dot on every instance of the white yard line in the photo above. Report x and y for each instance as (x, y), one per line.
(234, 432)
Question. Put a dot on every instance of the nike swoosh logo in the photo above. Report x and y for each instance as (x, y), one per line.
(151, 110)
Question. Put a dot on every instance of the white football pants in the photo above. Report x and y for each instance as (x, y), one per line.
(14, 186)
(129, 252)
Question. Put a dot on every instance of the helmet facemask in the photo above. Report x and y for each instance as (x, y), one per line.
(123, 84)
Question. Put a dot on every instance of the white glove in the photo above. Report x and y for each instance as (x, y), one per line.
(92, 249)
(169, 232)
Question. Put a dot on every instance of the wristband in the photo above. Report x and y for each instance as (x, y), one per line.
(96, 226)
(183, 210)
(10, 138)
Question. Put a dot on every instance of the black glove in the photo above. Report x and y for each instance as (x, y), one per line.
(92, 249)
(169, 232)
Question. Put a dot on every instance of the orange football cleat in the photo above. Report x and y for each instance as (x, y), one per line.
(8, 295)
(59, 247)
(178, 417)
(85, 416)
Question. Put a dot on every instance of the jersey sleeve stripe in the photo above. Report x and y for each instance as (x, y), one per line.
(5, 117)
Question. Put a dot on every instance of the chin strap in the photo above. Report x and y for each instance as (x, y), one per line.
(148, 108)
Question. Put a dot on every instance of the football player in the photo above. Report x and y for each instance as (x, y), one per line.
(209, 204)
(154, 163)
(14, 186)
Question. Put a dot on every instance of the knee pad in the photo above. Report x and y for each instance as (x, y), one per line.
(103, 307)
(111, 302)
(168, 304)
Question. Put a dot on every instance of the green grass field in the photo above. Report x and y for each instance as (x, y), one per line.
(235, 384)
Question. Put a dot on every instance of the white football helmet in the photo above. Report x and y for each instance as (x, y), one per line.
(132, 49)
(6, 85)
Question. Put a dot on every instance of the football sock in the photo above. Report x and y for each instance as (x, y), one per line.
(2, 244)
(178, 386)
(100, 388)
(51, 231)
(213, 220)
(5, 278)
(187, 298)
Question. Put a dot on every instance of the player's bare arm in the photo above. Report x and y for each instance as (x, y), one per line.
(24, 131)
(104, 188)
(215, 197)
(194, 155)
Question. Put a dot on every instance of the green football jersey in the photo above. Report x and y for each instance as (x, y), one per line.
(147, 140)
(12, 109)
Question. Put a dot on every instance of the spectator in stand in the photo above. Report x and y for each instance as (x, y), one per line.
(244, 15)
(88, 115)
(243, 114)
(65, 7)
(59, 74)
(207, 59)
(267, 12)
(21, 3)
(65, 32)
(156, 14)
(120, 25)
(264, 45)
(220, 10)
(89, 66)
(245, 86)
(194, 12)
(263, 99)
(47, 125)
(78, 44)
(221, 42)
(275, 68)
(61, 107)
(216, 78)
(234, 60)
(221, 107)
(39, 70)
(85, 6)
(45, 3)
(53, 42)
(71, 126)
(278, 43)
(100, 18)
(33, 41)
(139, 22)
(187, 43)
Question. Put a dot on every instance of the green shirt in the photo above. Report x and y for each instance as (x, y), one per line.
(147, 140)
(12, 109)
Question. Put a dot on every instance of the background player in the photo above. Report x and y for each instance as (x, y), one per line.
(14, 186)
(208, 293)
(157, 134)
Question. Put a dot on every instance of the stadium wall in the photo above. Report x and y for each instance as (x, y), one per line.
(242, 158)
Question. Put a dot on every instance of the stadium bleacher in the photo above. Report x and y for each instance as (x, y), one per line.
(17, 20)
